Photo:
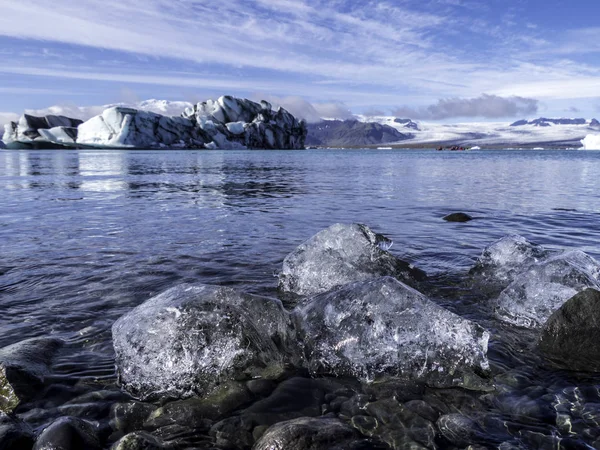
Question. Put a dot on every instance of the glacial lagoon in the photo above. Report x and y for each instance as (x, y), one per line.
(86, 236)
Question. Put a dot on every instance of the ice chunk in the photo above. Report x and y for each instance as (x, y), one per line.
(190, 338)
(235, 127)
(539, 291)
(382, 327)
(342, 254)
(509, 256)
(61, 135)
(591, 142)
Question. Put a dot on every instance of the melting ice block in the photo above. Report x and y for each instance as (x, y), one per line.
(541, 289)
(380, 327)
(591, 142)
(507, 257)
(190, 338)
(342, 254)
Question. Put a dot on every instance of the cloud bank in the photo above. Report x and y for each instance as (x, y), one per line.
(486, 106)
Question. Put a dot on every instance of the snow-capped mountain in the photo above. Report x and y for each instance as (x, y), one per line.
(541, 132)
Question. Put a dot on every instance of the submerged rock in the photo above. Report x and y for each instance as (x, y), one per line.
(457, 217)
(23, 367)
(381, 327)
(571, 336)
(308, 433)
(140, 440)
(191, 338)
(339, 255)
(507, 257)
(68, 433)
(14, 434)
(539, 291)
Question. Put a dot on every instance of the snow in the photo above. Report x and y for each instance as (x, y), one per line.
(591, 142)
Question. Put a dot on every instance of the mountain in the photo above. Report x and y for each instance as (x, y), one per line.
(351, 133)
(545, 122)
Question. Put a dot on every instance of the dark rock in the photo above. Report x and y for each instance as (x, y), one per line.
(571, 336)
(458, 217)
(546, 122)
(129, 417)
(14, 434)
(196, 411)
(23, 368)
(339, 255)
(519, 123)
(192, 338)
(68, 433)
(261, 387)
(381, 327)
(140, 440)
(351, 133)
(407, 123)
(594, 123)
(423, 409)
(310, 434)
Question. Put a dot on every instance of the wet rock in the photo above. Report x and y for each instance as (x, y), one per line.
(571, 336)
(457, 217)
(460, 430)
(507, 257)
(423, 409)
(189, 339)
(339, 255)
(68, 433)
(14, 434)
(536, 293)
(196, 411)
(398, 425)
(310, 434)
(23, 368)
(261, 387)
(140, 440)
(382, 327)
(129, 417)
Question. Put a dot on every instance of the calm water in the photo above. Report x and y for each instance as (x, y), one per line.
(87, 235)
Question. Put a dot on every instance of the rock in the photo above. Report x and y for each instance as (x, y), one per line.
(381, 327)
(23, 367)
(460, 430)
(128, 417)
(120, 127)
(339, 255)
(189, 339)
(351, 133)
(31, 131)
(507, 257)
(68, 433)
(571, 336)
(458, 217)
(140, 440)
(226, 399)
(14, 434)
(310, 434)
(536, 293)
(594, 123)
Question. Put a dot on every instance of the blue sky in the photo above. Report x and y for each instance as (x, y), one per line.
(446, 60)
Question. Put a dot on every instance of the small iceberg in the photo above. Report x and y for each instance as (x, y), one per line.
(591, 142)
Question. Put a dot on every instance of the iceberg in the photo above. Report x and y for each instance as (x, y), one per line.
(370, 329)
(591, 142)
(227, 123)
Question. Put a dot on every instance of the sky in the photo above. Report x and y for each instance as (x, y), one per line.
(436, 60)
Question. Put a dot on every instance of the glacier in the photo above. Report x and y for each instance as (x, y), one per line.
(591, 142)
(227, 123)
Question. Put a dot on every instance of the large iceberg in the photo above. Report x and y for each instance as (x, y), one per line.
(189, 339)
(228, 123)
(591, 142)
(339, 255)
(380, 327)
(121, 127)
(542, 288)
